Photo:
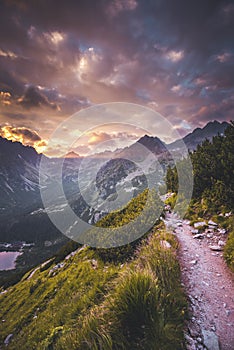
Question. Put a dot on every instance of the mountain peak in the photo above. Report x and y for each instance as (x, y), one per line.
(198, 135)
(71, 154)
(153, 143)
(12, 149)
(147, 137)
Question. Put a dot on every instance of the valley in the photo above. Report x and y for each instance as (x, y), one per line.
(168, 288)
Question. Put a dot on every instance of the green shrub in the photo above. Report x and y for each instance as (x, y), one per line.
(229, 247)
(171, 200)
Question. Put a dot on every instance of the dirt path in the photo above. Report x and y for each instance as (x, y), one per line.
(210, 288)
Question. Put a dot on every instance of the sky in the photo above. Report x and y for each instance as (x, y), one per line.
(60, 57)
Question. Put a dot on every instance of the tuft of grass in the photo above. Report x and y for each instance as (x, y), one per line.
(171, 200)
(145, 307)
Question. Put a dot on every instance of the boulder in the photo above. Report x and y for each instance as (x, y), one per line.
(211, 340)
(165, 244)
(199, 224)
(199, 236)
(216, 248)
(194, 232)
(193, 262)
(210, 222)
(222, 231)
(190, 342)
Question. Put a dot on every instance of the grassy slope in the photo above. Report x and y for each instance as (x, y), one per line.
(143, 309)
(90, 303)
(33, 308)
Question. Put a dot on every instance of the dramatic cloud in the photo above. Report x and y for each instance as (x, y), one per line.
(5, 98)
(59, 57)
(8, 54)
(34, 98)
(26, 136)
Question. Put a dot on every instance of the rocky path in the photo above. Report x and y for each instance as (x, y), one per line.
(210, 288)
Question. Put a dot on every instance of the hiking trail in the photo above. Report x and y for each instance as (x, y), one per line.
(209, 285)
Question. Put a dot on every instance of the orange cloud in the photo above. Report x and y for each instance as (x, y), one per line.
(5, 98)
(24, 135)
(96, 138)
(8, 54)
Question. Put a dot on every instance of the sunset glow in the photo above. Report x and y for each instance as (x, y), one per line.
(25, 136)
(176, 58)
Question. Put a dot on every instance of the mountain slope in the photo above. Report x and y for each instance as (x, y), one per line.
(20, 201)
(199, 135)
(85, 302)
(18, 177)
(153, 143)
(139, 148)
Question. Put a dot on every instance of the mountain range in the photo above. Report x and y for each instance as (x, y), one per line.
(198, 135)
(21, 207)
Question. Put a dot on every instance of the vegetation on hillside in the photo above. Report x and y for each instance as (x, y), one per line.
(130, 299)
(143, 309)
(213, 170)
(213, 192)
(126, 224)
(30, 257)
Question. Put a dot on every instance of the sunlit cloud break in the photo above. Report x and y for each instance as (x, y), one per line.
(24, 135)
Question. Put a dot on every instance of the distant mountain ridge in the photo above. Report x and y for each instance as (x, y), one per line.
(19, 175)
(72, 155)
(198, 135)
